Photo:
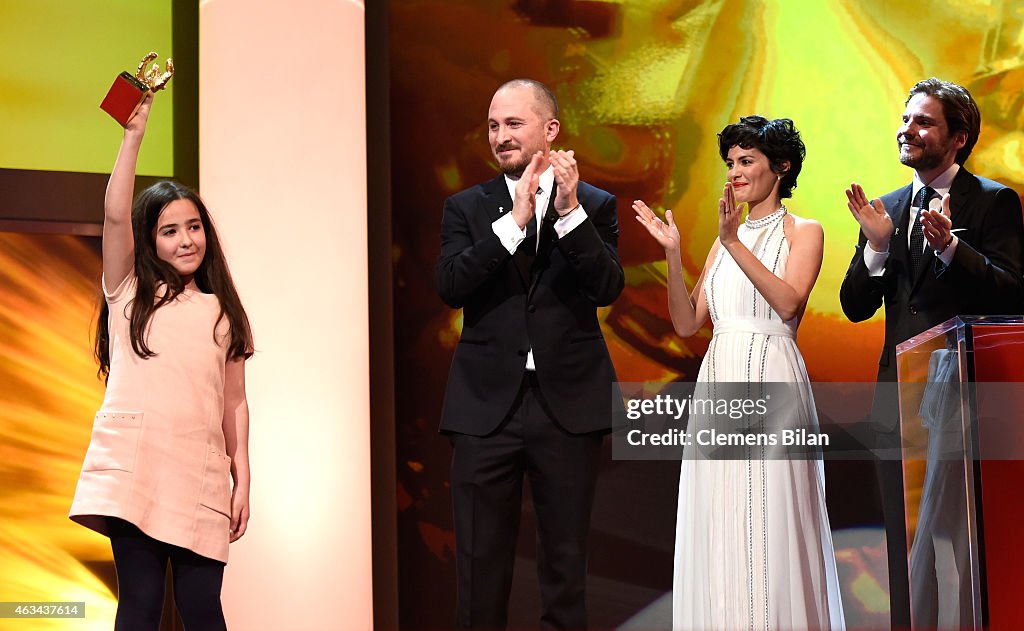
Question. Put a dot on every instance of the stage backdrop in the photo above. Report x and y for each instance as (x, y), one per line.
(58, 60)
(644, 87)
(49, 392)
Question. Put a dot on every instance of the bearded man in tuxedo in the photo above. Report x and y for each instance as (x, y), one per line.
(948, 243)
(529, 256)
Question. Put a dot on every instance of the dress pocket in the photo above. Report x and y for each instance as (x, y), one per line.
(114, 443)
(216, 493)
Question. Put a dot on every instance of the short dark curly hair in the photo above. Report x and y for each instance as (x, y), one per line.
(777, 139)
(959, 108)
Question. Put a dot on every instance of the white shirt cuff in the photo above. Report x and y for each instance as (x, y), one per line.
(874, 261)
(509, 232)
(947, 255)
(565, 225)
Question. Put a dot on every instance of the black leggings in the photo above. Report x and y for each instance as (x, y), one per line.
(141, 563)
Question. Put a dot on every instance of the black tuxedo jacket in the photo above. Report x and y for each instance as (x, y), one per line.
(984, 277)
(547, 302)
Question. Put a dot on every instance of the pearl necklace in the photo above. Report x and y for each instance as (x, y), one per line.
(767, 220)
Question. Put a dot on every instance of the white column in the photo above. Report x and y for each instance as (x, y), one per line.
(283, 172)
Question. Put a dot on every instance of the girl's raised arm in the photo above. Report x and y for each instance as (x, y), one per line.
(118, 242)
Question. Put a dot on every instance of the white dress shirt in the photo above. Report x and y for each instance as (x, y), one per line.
(511, 235)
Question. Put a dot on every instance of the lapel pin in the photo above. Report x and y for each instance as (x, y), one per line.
(501, 209)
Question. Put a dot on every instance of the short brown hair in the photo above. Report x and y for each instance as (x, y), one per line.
(960, 110)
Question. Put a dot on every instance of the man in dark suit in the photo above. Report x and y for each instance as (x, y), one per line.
(528, 256)
(961, 255)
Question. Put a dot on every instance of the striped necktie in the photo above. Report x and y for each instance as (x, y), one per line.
(917, 232)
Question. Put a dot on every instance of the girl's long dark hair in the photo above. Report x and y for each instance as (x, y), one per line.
(212, 277)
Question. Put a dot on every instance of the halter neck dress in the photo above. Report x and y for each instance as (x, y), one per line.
(753, 545)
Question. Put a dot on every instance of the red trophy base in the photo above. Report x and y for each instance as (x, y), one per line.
(124, 98)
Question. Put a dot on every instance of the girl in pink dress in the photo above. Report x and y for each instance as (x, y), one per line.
(166, 475)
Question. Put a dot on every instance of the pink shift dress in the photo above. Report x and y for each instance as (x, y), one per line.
(156, 457)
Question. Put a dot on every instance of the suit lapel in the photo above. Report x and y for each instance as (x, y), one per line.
(961, 194)
(498, 203)
(496, 199)
(900, 214)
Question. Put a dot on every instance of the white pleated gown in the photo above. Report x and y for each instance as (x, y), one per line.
(753, 546)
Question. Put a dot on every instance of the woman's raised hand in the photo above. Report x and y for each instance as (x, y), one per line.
(729, 216)
(666, 234)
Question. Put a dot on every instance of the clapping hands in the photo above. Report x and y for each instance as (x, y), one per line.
(729, 215)
(875, 223)
(664, 232)
(524, 206)
(567, 177)
(938, 226)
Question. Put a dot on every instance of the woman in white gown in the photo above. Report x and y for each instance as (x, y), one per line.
(753, 546)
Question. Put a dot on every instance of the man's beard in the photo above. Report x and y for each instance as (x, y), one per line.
(929, 158)
(513, 168)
